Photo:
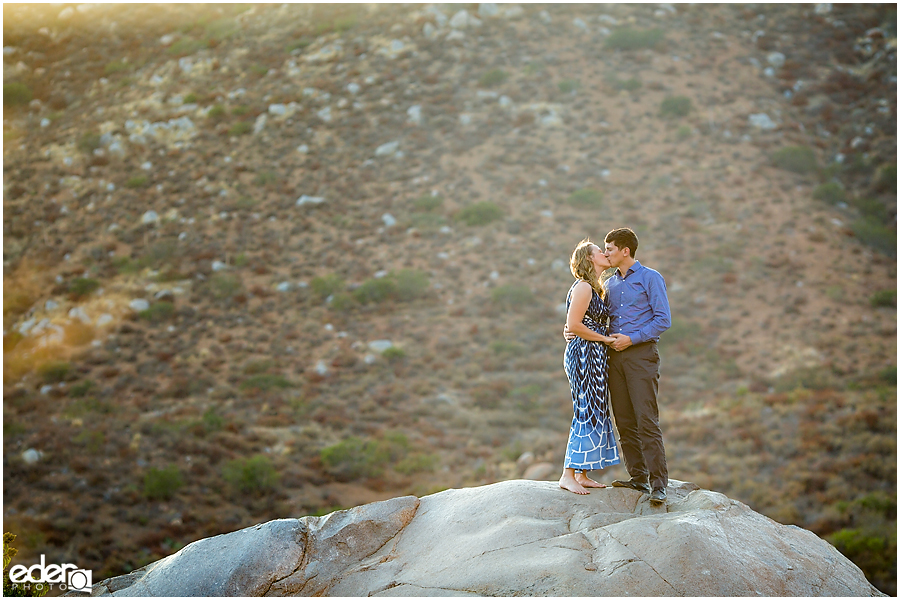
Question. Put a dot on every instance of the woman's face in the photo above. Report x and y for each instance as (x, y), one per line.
(601, 262)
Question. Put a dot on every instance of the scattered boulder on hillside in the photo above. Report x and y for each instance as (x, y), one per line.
(514, 538)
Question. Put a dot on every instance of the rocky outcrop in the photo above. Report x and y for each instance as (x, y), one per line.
(511, 538)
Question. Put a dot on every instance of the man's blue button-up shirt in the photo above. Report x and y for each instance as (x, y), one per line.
(638, 304)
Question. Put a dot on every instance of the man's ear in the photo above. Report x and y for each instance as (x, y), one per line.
(626, 251)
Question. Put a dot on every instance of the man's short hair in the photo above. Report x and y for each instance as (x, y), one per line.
(623, 238)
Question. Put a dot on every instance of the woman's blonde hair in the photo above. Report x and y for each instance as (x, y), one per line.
(583, 268)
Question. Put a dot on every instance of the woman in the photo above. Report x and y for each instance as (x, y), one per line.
(592, 443)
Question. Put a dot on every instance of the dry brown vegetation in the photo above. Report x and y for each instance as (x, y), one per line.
(230, 401)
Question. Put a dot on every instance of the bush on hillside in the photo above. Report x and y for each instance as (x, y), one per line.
(256, 475)
(480, 213)
(884, 298)
(354, 457)
(830, 193)
(626, 38)
(874, 234)
(54, 372)
(428, 203)
(586, 198)
(325, 285)
(158, 312)
(797, 159)
(81, 287)
(161, 484)
(493, 77)
(16, 94)
(512, 295)
(675, 106)
(886, 180)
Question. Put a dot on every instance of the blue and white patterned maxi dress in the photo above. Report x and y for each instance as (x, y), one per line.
(592, 443)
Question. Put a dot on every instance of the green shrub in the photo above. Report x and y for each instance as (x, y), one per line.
(886, 180)
(256, 475)
(160, 253)
(88, 142)
(240, 111)
(80, 389)
(675, 106)
(428, 203)
(872, 208)
(116, 66)
(16, 94)
(221, 29)
(161, 484)
(212, 420)
(354, 457)
(626, 38)
(586, 198)
(493, 77)
(506, 347)
(680, 331)
(326, 285)
(91, 441)
(884, 298)
(54, 372)
(798, 159)
(872, 233)
(830, 192)
(186, 46)
(514, 294)
(873, 551)
(337, 25)
(255, 367)
(216, 112)
(629, 85)
(417, 463)
(240, 128)
(342, 301)
(189, 99)
(376, 290)
(403, 286)
(138, 181)
(125, 265)
(567, 86)
(394, 354)
(684, 132)
(265, 178)
(158, 312)
(265, 382)
(225, 285)
(411, 284)
(10, 589)
(82, 286)
(480, 213)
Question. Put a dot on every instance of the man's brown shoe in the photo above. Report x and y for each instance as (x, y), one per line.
(635, 485)
(658, 496)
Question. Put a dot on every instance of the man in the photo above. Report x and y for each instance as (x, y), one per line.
(640, 313)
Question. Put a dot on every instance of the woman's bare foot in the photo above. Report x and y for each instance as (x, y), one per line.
(587, 482)
(568, 482)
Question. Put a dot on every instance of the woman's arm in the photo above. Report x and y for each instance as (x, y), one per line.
(581, 298)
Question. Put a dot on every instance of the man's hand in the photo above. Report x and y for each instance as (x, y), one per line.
(622, 342)
(568, 334)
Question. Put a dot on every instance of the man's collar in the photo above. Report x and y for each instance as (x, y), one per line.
(632, 269)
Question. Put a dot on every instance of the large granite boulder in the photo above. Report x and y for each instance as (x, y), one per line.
(512, 538)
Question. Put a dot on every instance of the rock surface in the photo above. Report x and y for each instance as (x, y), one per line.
(509, 539)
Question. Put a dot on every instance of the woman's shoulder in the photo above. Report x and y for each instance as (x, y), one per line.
(581, 284)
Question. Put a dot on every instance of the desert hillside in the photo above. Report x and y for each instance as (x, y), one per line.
(267, 261)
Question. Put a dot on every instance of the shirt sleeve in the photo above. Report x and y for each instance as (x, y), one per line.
(659, 305)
